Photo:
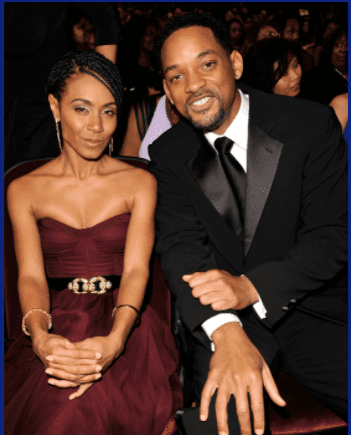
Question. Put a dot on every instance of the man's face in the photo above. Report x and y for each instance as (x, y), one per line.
(200, 78)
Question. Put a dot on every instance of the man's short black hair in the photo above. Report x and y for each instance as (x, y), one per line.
(218, 27)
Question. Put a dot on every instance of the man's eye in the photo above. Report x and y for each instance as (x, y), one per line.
(175, 78)
(210, 64)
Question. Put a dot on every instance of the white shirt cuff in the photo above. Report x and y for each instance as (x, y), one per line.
(260, 308)
(210, 325)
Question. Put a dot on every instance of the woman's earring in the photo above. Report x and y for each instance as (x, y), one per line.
(58, 134)
(110, 147)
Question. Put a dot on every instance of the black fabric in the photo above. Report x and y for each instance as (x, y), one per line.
(144, 111)
(235, 174)
(30, 55)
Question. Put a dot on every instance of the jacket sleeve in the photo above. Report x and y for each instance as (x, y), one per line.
(320, 251)
(181, 243)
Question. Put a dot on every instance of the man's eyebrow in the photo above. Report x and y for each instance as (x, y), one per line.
(202, 54)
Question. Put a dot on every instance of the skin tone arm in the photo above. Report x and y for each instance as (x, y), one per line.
(109, 51)
(32, 286)
(340, 106)
(236, 367)
(135, 275)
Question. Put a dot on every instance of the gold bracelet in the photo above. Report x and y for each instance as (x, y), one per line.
(137, 321)
(48, 317)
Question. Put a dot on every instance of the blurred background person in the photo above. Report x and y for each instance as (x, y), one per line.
(41, 41)
(135, 58)
(330, 78)
(340, 104)
(273, 66)
(236, 33)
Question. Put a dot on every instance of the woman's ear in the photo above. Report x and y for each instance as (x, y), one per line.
(237, 64)
(55, 108)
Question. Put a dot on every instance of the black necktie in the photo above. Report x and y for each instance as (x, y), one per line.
(234, 172)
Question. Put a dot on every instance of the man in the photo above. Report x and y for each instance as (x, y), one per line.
(252, 226)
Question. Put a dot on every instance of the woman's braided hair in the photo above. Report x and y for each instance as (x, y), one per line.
(89, 62)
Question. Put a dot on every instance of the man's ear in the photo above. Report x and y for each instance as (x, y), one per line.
(237, 64)
(168, 94)
(55, 108)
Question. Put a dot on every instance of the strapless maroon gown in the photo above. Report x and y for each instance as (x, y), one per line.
(138, 394)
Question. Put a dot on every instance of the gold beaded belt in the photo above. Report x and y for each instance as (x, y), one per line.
(96, 285)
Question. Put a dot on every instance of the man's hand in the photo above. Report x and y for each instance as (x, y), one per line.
(222, 290)
(238, 368)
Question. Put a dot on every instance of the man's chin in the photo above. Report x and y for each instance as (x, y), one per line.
(208, 124)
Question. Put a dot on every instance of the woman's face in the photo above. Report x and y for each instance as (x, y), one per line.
(330, 30)
(340, 53)
(267, 32)
(289, 83)
(292, 30)
(235, 32)
(148, 38)
(83, 34)
(88, 114)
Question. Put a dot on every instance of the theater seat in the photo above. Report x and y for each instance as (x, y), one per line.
(303, 414)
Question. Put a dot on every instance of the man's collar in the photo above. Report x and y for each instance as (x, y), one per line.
(238, 129)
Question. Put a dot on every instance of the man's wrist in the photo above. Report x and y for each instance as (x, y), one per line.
(250, 289)
(225, 330)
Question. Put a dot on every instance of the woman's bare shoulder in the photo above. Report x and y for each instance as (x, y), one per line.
(27, 184)
(133, 176)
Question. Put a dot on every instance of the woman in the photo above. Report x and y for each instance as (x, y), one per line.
(148, 118)
(236, 33)
(273, 66)
(331, 77)
(340, 104)
(83, 226)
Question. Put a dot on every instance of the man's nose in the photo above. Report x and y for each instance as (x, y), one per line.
(194, 82)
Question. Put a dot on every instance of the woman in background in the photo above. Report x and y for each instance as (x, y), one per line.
(273, 66)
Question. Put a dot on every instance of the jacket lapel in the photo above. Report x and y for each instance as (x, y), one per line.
(262, 161)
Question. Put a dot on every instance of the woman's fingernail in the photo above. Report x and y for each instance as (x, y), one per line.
(51, 382)
(202, 418)
(98, 376)
(48, 372)
(49, 358)
(98, 355)
(259, 431)
(98, 368)
(222, 433)
(72, 397)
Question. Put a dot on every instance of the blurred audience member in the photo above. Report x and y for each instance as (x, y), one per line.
(80, 30)
(236, 33)
(331, 77)
(29, 126)
(148, 119)
(273, 66)
(340, 104)
(323, 35)
(135, 58)
(262, 31)
(289, 28)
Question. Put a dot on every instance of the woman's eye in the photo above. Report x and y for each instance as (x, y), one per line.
(110, 112)
(80, 109)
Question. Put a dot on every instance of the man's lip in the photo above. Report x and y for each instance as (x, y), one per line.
(198, 98)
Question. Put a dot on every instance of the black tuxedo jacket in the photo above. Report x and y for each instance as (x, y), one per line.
(295, 243)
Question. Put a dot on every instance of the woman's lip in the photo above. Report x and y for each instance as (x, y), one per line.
(93, 141)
